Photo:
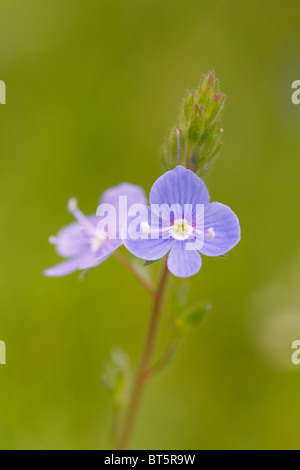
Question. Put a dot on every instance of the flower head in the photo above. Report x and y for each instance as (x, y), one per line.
(182, 222)
(87, 243)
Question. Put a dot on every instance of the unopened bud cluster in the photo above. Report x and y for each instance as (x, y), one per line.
(197, 137)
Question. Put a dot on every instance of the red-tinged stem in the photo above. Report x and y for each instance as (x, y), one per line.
(145, 363)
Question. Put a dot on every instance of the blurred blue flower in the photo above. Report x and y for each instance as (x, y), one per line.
(82, 242)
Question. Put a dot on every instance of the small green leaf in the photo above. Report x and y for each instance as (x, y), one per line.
(179, 298)
(117, 377)
(148, 262)
(139, 266)
(192, 317)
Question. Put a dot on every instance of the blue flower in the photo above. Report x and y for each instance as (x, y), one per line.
(182, 223)
(82, 242)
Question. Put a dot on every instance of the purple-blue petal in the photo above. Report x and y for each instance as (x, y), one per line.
(135, 195)
(72, 240)
(66, 267)
(148, 247)
(104, 252)
(178, 187)
(226, 227)
(182, 262)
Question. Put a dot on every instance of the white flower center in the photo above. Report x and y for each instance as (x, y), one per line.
(181, 230)
(96, 242)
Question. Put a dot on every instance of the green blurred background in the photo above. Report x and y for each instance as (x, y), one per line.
(92, 86)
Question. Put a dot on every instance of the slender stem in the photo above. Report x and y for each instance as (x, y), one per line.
(115, 426)
(165, 358)
(144, 366)
(135, 271)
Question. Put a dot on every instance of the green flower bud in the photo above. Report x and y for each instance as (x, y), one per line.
(197, 137)
(211, 141)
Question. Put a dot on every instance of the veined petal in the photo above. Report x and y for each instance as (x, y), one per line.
(146, 236)
(104, 252)
(66, 267)
(134, 194)
(148, 249)
(179, 187)
(183, 262)
(72, 239)
(221, 229)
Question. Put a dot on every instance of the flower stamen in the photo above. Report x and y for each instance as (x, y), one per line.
(80, 217)
(145, 227)
(97, 242)
(52, 240)
(181, 230)
(210, 233)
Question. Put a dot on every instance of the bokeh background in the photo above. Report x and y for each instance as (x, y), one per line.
(92, 86)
